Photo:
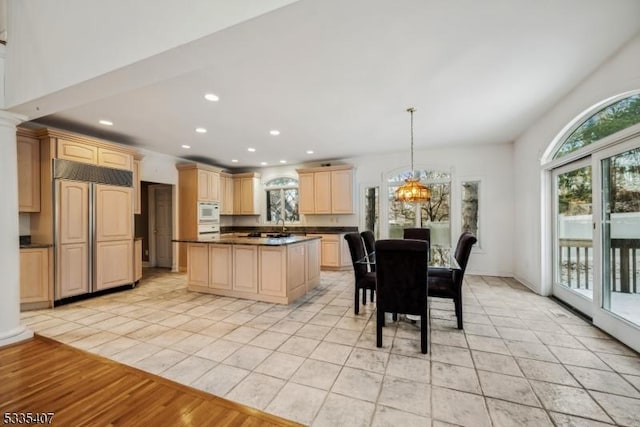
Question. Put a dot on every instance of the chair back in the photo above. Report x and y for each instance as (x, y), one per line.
(369, 241)
(463, 249)
(356, 248)
(417, 234)
(401, 275)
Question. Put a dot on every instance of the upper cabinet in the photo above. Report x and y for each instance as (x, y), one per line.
(326, 190)
(28, 174)
(246, 193)
(93, 152)
(208, 186)
(226, 194)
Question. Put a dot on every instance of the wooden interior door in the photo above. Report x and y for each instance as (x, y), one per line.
(163, 226)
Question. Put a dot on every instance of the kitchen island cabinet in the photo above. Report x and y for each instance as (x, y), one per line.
(278, 270)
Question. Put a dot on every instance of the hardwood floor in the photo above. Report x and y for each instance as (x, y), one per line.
(42, 375)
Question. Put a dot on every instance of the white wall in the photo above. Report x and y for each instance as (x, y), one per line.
(621, 73)
(78, 40)
(491, 164)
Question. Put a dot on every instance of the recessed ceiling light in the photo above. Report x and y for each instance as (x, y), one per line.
(309, 151)
(186, 146)
(234, 160)
(106, 122)
(274, 132)
(283, 161)
(212, 97)
(201, 130)
(263, 163)
(251, 150)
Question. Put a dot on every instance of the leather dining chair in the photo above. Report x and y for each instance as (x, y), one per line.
(417, 234)
(401, 272)
(369, 244)
(445, 283)
(363, 279)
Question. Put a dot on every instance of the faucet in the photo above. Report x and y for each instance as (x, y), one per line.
(283, 226)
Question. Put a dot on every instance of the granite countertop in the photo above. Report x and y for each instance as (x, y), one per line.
(295, 229)
(36, 245)
(236, 239)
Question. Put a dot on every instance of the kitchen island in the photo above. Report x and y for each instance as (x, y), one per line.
(271, 269)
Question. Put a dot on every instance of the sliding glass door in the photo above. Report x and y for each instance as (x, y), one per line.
(619, 307)
(573, 235)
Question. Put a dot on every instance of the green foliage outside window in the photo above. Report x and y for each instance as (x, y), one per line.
(620, 115)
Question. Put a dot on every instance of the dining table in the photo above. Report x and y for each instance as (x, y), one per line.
(441, 257)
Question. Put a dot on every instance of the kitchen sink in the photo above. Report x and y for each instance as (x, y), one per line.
(278, 235)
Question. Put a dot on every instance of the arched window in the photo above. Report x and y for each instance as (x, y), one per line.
(282, 199)
(609, 120)
(433, 214)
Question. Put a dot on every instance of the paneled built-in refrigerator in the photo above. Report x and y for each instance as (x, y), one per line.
(93, 228)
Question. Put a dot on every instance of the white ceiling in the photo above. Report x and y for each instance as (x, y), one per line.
(336, 76)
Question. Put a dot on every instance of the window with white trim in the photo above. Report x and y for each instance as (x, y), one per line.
(282, 199)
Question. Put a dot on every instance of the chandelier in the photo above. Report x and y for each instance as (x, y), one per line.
(412, 190)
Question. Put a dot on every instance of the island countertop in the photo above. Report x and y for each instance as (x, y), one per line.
(243, 239)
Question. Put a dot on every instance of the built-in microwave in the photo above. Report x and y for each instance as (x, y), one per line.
(208, 212)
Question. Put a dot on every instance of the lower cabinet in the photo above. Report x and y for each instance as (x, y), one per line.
(114, 264)
(36, 278)
(278, 274)
(220, 267)
(334, 252)
(72, 270)
(245, 268)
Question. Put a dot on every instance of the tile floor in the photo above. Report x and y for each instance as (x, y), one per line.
(522, 360)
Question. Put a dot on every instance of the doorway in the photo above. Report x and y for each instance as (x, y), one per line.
(155, 224)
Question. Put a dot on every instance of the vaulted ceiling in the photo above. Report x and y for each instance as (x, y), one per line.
(336, 76)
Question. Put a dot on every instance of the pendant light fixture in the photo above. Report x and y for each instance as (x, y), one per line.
(412, 190)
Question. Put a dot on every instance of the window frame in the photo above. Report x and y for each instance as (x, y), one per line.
(281, 188)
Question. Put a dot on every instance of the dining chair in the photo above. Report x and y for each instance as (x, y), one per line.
(369, 244)
(363, 279)
(446, 283)
(417, 234)
(401, 272)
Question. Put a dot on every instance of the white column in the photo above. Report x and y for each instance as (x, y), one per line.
(10, 328)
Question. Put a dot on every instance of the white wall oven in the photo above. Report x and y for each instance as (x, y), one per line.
(208, 213)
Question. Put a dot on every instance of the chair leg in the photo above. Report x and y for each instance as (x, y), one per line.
(424, 333)
(379, 325)
(395, 317)
(364, 296)
(372, 291)
(356, 306)
(457, 302)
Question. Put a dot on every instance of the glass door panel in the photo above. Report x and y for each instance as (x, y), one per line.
(573, 242)
(621, 235)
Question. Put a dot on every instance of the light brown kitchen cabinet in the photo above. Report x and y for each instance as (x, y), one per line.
(334, 252)
(306, 193)
(114, 159)
(77, 151)
(312, 264)
(137, 205)
(36, 271)
(114, 263)
(198, 262)
(226, 194)
(137, 260)
(326, 190)
(221, 267)
(73, 239)
(114, 213)
(28, 174)
(208, 186)
(246, 192)
(273, 269)
(245, 268)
